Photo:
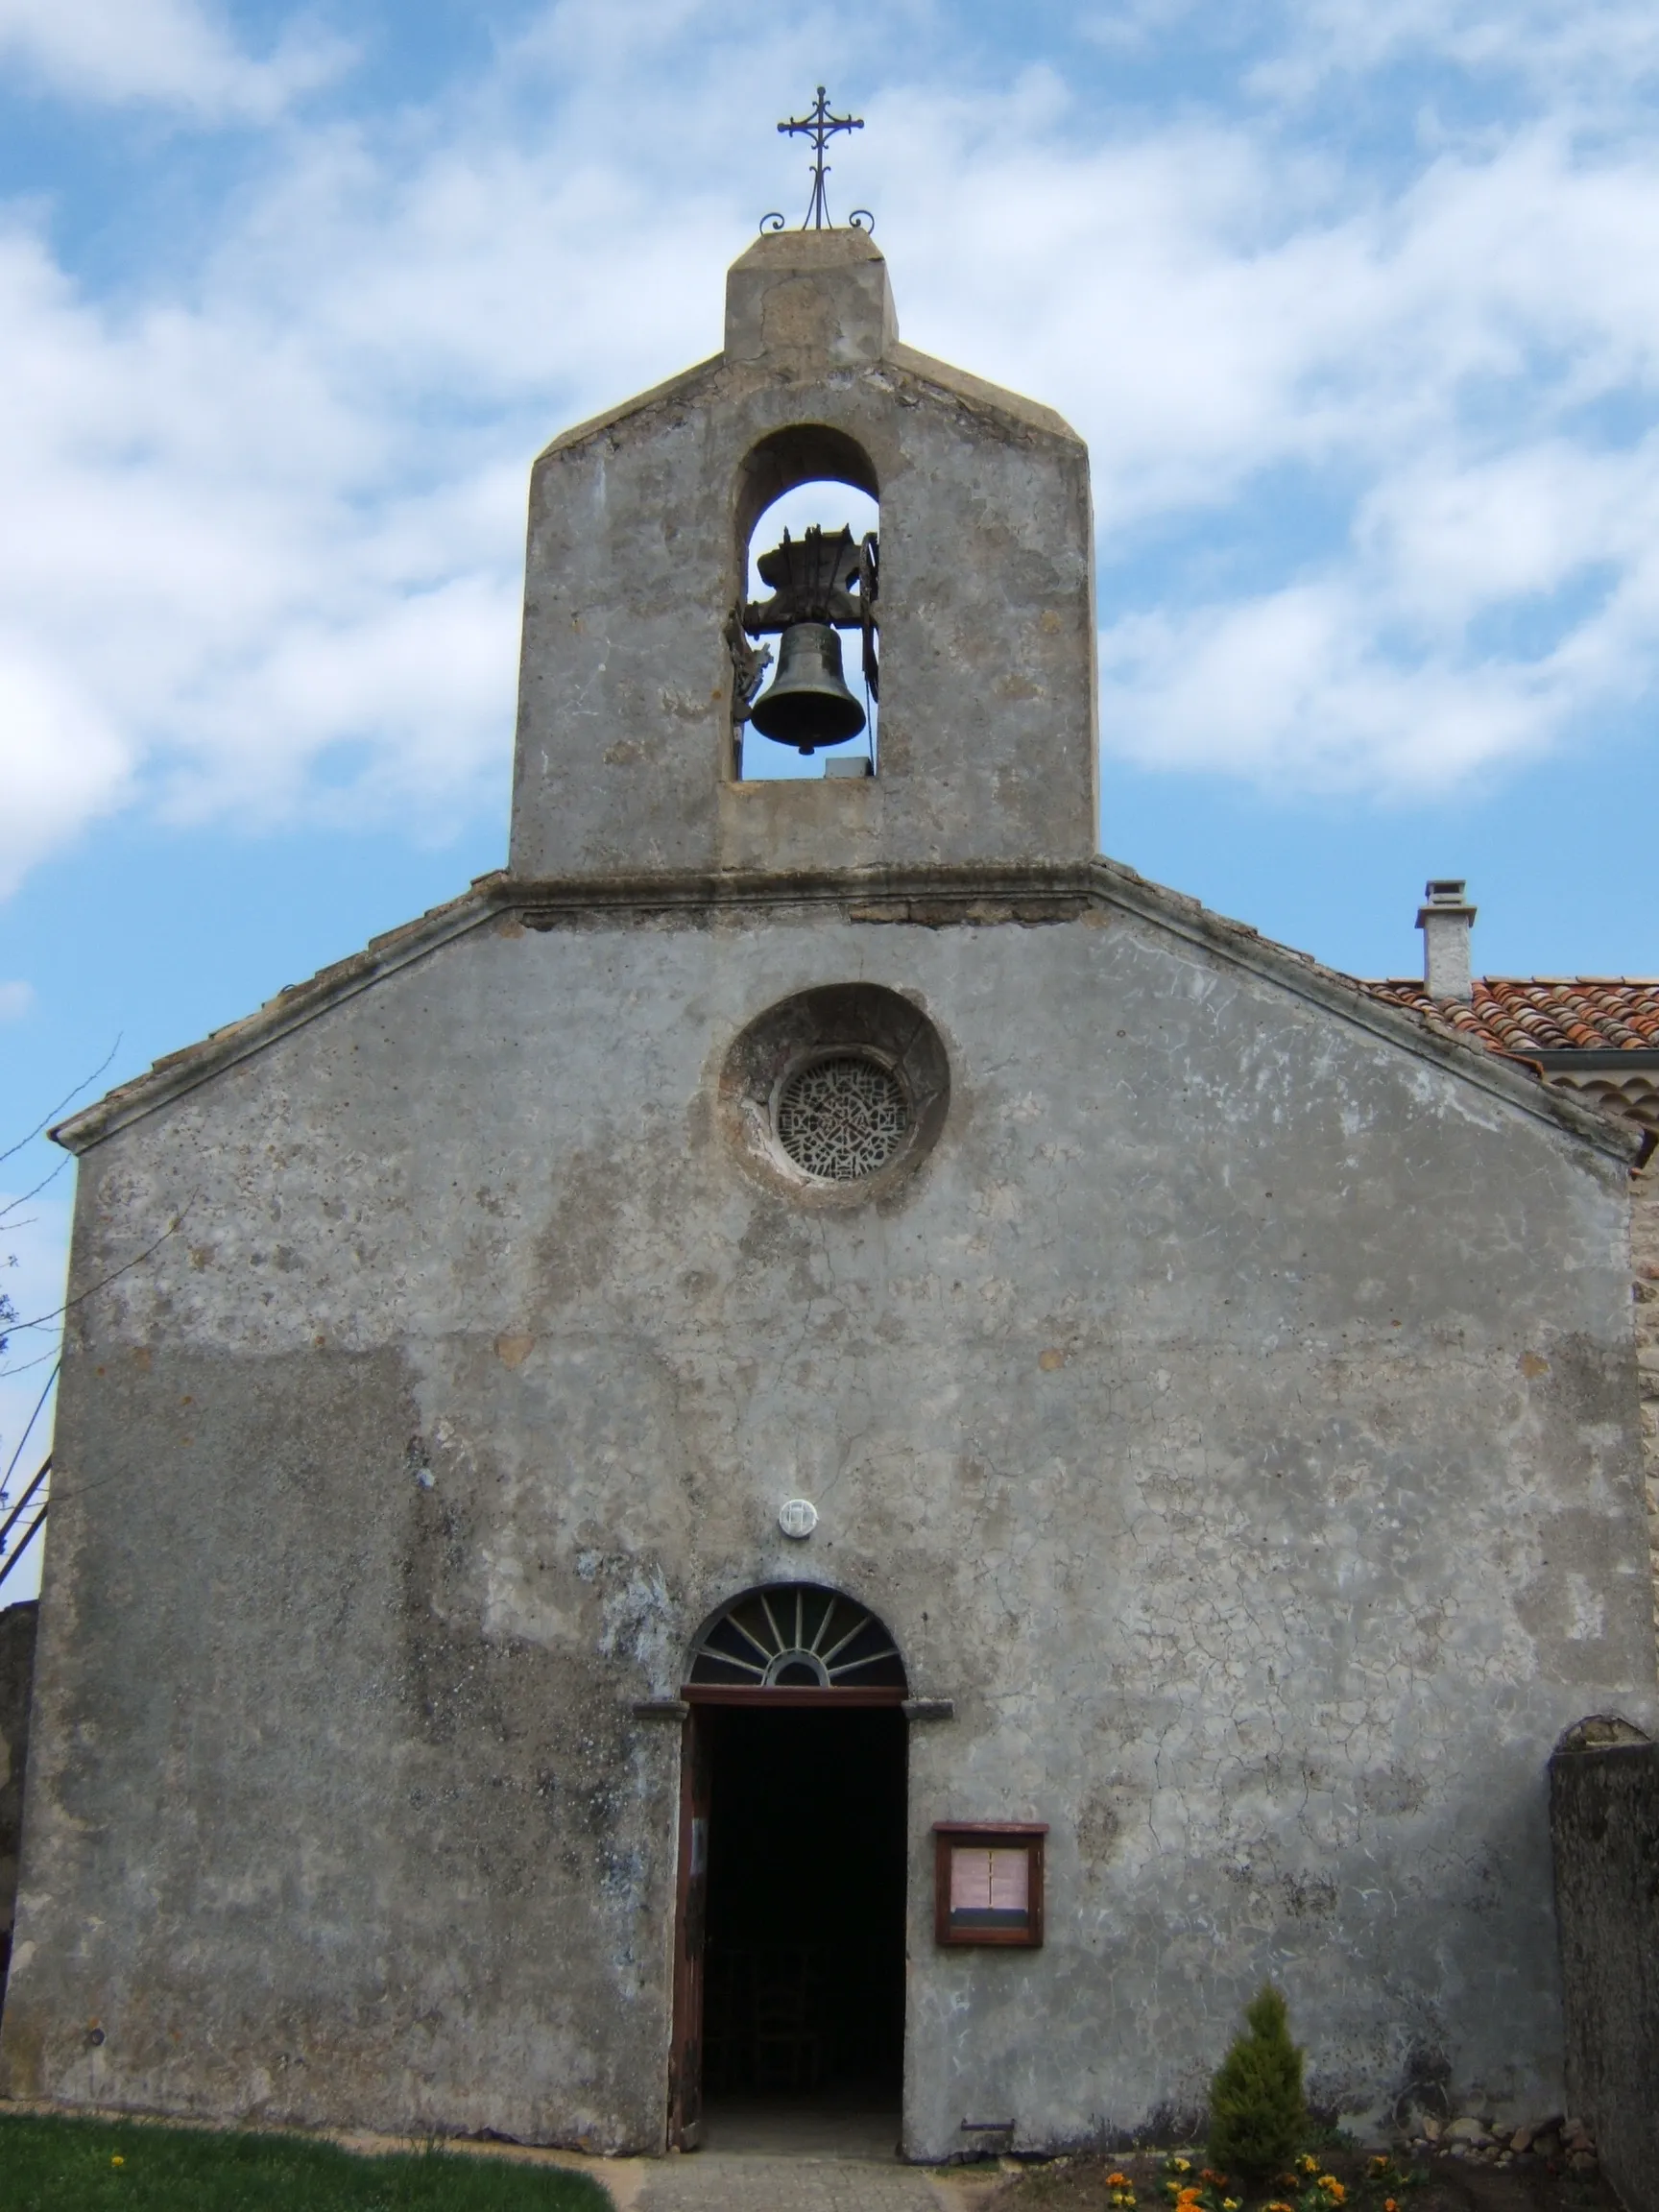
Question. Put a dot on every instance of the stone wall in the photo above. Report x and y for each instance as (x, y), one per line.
(16, 1676)
(1604, 1817)
(1645, 1254)
(1234, 1415)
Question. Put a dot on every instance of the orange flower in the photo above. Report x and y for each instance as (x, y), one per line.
(1209, 2174)
(1117, 2180)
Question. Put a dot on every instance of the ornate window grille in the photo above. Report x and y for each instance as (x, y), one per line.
(796, 1636)
(842, 1117)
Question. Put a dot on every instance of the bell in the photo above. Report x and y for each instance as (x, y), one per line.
(809, 704)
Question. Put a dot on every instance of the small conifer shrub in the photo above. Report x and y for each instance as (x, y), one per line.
(1258, 2118)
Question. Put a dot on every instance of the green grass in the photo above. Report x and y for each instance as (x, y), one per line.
(54, 2165)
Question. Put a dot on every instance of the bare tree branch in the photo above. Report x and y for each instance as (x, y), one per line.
(23, 1197)
(40, 1320)
(85, 1084)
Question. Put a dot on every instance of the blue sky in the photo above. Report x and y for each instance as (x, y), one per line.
(1356, 300)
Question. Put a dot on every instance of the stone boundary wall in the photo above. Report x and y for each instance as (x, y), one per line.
(1645, 1260)
(1605, 1826)
(16, 1679)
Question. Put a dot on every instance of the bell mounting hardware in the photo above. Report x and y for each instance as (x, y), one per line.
(811, 580)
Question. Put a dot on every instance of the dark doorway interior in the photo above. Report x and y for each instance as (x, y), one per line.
(804, 1990)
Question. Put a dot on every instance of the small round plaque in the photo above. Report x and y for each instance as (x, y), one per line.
(797, 1518)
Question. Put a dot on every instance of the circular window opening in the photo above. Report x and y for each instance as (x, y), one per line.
(842, 1116)
(837, 1094)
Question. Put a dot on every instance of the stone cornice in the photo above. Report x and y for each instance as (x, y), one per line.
(911, 367)
(1018, 894)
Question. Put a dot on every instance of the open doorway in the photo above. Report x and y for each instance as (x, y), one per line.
(790, 1980)
(804, 1969)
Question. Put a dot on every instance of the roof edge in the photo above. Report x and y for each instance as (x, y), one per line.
(296, 1003)
(579, 433)
(1348, 996)
(963, 384)
(991, 892)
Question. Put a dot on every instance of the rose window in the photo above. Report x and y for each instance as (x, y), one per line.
(842, 1117)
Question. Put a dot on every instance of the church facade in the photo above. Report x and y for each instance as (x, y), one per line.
(816, 1442)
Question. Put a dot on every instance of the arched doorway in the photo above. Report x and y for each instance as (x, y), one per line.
(789, 1946)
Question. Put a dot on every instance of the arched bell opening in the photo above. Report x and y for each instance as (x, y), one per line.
(803, 636)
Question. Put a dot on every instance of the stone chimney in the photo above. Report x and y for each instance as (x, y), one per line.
(1445, 919)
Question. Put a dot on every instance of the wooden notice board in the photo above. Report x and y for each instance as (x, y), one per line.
(988, 1882)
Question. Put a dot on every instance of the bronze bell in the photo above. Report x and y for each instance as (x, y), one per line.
(809, 704)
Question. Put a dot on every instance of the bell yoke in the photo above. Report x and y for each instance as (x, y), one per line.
(812, 581)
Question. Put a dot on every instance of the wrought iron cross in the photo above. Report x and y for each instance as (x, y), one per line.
(820, 126)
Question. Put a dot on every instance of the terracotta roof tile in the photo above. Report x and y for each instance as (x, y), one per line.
(1543, 1013)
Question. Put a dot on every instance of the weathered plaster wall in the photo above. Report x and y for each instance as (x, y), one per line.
(1236, 1416)
(17, 1678)
(1634, 1097)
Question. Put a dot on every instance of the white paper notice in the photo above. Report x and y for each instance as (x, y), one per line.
(988, 1888)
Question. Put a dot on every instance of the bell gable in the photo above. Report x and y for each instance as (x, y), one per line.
(631, 686)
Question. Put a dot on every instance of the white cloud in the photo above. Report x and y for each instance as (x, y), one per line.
(265, 520)
(61, 760)
(173, 51)
(1387, 448)
(16, 1000)
(1457, 536)
(1292, 690)
(1607, 46)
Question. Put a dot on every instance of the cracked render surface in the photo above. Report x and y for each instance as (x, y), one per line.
(1236, 1417)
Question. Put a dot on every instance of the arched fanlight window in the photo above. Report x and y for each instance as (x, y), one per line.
(796, 1636)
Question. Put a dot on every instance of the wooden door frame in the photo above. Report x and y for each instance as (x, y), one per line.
(690, 1903)
(686, 2029)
